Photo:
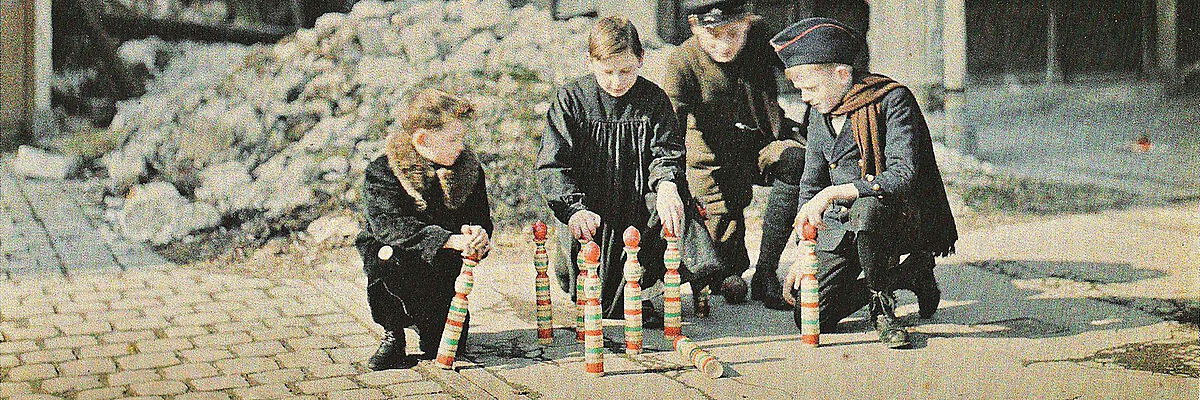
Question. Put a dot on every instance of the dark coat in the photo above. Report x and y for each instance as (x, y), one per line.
(399, 215)
(712, 100)
(911, 184)
(607, 155)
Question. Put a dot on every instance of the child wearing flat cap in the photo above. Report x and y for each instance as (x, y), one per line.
(721, 82)
(870, 183)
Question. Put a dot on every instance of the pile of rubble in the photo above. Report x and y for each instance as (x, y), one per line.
(269, 138)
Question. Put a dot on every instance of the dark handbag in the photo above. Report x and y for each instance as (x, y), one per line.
(699, 258)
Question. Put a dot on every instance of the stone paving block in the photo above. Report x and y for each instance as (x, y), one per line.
(57, 320)
(90, 366)
(246, 365)
(203, 396)
(413, 388)
(238, 326)
(47, 356)
(107, 350)
(435, 396)
(72, 307)
(332, 370)
(257, 349)
(163, 345)
(327, 385)
(198, 318)
(35, 396)
(135, 303)
(134, 324)
(359, 340)
(185, 331)
(131, 377)
(358, 394)
(351, 355)
(70, 384)
(269, 391)
(219, 306)
(18, 347)
(327, 319)
(219, 383)
(113, 316)
(280, 321)
(9, 361)
(312, 342)
(127, 337)
(388, 377)
(264, 314)
(104, 393)
(289, 292)
(70, 342)
(154, 294)
(241, 295)
(342, 329)
(249, 283)
(169, 311)
(187, 298)
(143, 398)
(8, 389)
(205, 355)
(93, 296)
(147, 360)
(157, 388)
(221, 339)
(87, 328)
(279, 333)
(27, 311)
(36, 332)
(304, 359)
(302, 311)
(278, 376)
(189, 371)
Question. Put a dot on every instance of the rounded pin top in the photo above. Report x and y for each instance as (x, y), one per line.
(808, 231)
(539, 231)
(632, 237)
(472, 257)
(668, 234)
(591, 252)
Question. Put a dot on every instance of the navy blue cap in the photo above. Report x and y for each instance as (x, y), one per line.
(710, 13)
(817, 41)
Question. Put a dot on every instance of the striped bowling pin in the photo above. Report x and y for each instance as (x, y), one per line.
(580, 297)
(545, 314)
(457, 315)
(672, 304)
(809, 298)
(633, 292)
(703, 360)
(593, 344)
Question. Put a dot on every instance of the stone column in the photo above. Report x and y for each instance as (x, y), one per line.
(1168, 38)
(16, 65)
(958, 133)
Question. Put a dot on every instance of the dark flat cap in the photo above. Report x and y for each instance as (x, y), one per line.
(710, 13)
(817, 41)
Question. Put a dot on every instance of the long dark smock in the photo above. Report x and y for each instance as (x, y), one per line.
(605, 154)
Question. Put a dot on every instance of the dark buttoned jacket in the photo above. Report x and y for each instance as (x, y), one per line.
(910, 188)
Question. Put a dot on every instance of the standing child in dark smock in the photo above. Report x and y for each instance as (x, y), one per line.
(425, 204)
(612, 142)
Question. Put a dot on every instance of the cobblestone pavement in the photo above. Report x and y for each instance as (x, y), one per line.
(85, 315)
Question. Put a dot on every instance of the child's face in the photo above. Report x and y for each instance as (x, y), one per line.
(441, 146)
(822, 87)
(617, 74)
(723, 43)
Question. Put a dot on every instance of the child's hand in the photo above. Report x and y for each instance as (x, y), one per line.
(478, 240)
(583, 224)
(670, 207)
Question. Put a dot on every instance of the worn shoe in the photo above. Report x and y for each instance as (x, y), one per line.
(883, 312)
(651, 318)
(922, 283)
(390, 354)
(734, 289)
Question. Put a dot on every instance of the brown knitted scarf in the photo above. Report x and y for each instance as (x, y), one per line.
(862, 105)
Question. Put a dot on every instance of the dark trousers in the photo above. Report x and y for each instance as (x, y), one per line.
(395, 310)
(728, 231)
(866, 248)
(783, 203)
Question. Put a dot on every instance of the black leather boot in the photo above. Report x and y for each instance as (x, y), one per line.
(651, 318)
(883, 312)
(921, 281)
(390, 354)
(782, 205)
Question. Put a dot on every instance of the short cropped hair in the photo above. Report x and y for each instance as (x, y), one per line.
(612, 36)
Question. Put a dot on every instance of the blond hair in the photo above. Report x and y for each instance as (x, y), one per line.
(433, 109)
(612, 36)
